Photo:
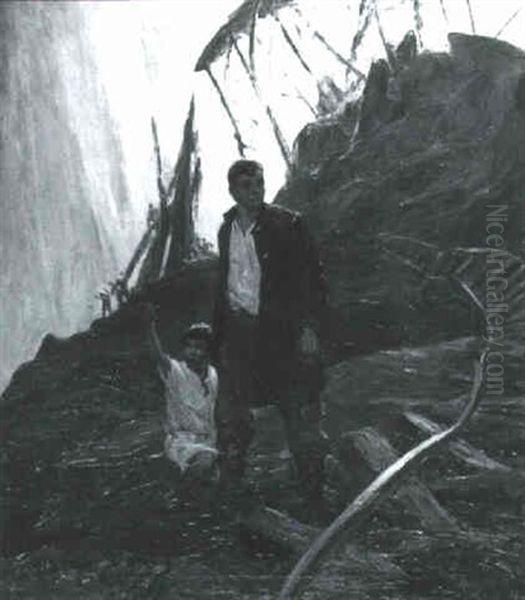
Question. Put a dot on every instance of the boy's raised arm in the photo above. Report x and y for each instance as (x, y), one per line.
(162, 359)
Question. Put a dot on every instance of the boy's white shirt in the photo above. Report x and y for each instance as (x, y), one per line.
(190, 423)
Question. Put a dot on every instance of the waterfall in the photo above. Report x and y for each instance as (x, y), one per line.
(66, 212)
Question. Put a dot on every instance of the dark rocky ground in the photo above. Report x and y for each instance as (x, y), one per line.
(91, 510)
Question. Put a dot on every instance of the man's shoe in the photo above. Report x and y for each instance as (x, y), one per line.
(238, 499)
(249, 500)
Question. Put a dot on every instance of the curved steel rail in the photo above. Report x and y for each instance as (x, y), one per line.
(379, 490)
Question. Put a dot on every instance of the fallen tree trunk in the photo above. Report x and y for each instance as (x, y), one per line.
(379, 490)
(414, 495)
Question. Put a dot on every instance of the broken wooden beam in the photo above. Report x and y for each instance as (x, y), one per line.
(376, 450)
(357, 565)
(279, 528)
(459, 447)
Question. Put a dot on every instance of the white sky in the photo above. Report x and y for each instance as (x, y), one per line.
(147, 49)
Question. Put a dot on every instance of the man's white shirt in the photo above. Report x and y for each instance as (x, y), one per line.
(244, 273)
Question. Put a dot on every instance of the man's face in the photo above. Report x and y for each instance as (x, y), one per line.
(248, 190)
(195, 354)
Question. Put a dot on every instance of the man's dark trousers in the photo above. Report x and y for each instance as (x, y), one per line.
(250, 378)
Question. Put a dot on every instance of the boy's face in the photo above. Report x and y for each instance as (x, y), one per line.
(248, 190)
(195, 354)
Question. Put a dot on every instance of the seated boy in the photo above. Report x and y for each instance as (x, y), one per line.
(191, 387)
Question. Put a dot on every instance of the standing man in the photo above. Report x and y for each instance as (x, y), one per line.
(105, 297)
(120, 289)
(270, 295)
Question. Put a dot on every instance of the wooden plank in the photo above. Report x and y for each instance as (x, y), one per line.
(414, 495)
(279, 528)
(359, 566)
(459, 447)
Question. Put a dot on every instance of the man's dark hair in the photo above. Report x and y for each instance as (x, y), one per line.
(243, 167)
(198, 331)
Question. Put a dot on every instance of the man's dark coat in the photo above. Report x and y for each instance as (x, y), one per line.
(292, 292)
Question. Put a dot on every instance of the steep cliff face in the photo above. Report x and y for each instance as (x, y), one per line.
(65, 225)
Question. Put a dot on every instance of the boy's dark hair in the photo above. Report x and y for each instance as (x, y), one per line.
(198, 331)
(243, 167)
